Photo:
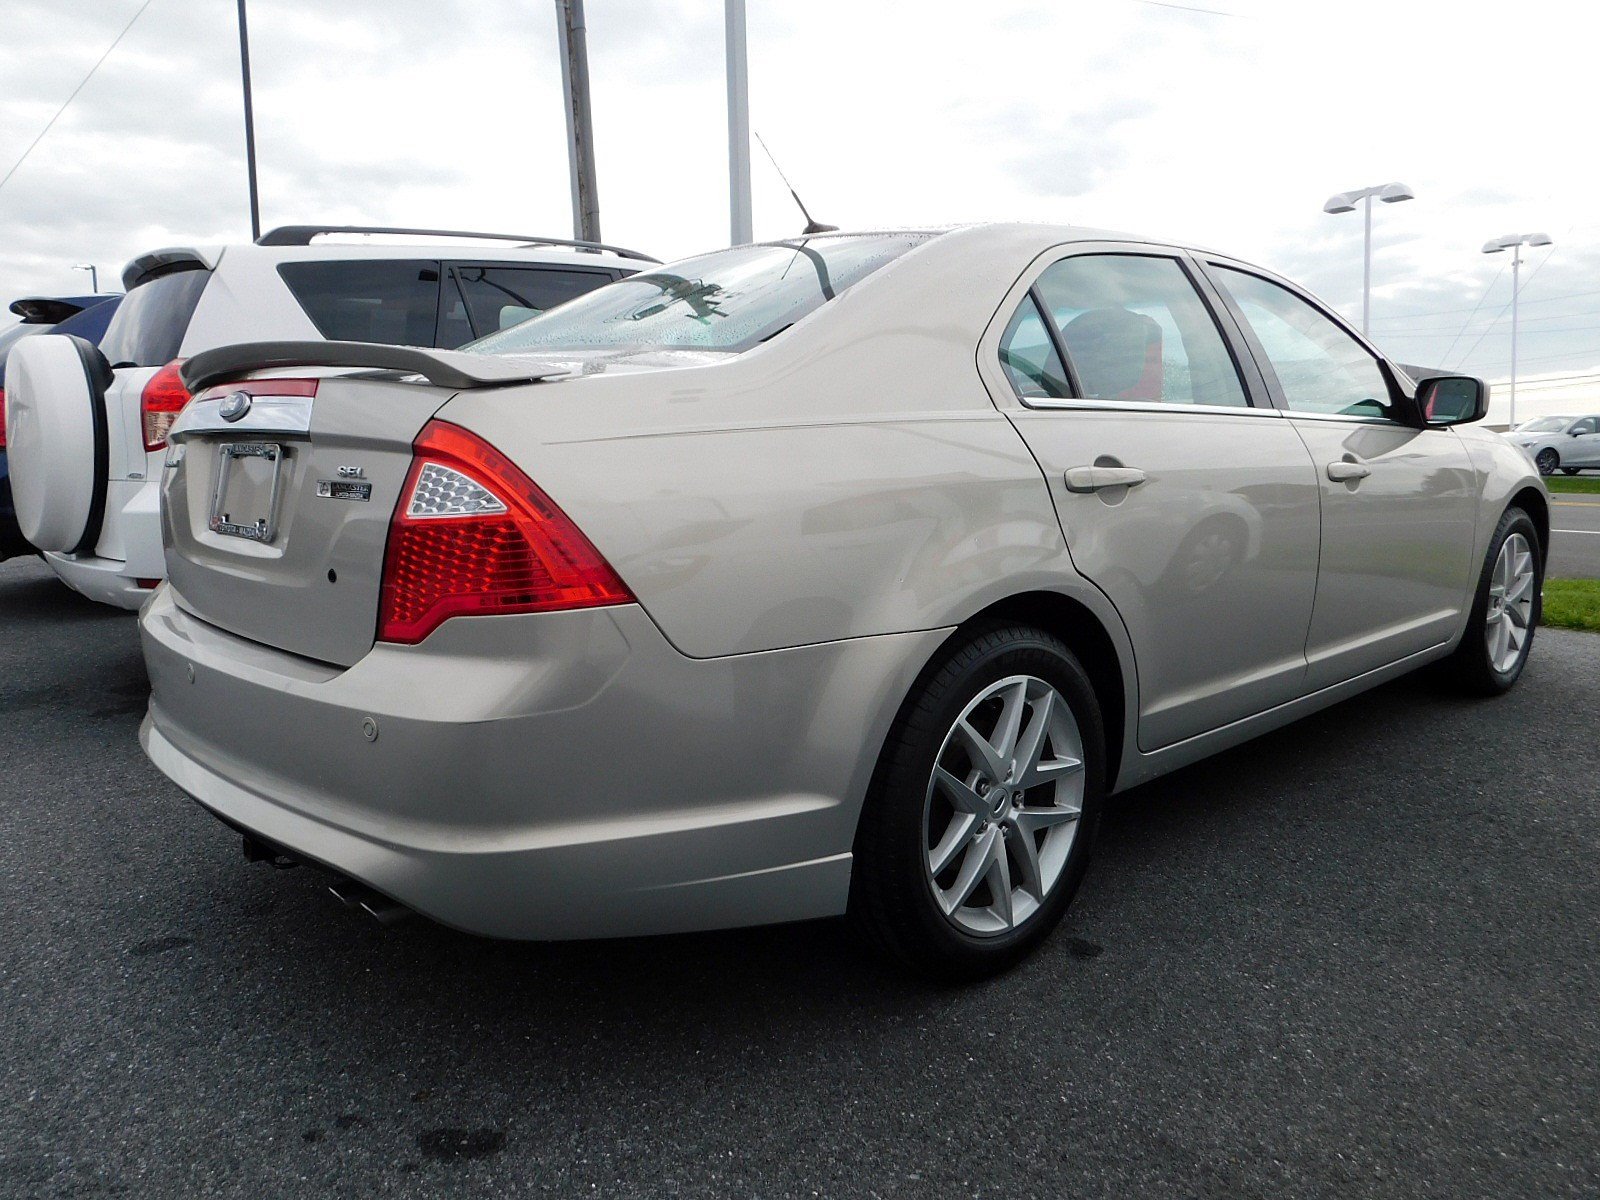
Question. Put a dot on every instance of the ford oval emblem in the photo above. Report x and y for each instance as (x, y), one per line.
(234, 406)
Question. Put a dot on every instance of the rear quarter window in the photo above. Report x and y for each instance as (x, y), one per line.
(392, 301)
(150, 323)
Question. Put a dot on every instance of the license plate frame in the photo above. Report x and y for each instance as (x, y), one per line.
(251, 529)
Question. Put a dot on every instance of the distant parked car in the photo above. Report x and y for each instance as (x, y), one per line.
(86, 469)
(840, 574)
(1568, 444)
(85, 316)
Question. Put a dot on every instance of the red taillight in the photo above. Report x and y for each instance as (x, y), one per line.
(2, 418)
(160, 403)
(263, 387)
(472, 534)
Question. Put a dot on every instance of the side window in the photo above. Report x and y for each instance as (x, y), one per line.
(500, 297)
(387, 300)
(1134, 328)
(1320, 367)
(1029, 356)
(1587, 425)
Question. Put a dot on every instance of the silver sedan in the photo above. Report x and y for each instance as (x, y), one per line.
(1568, 444)
(841, 575)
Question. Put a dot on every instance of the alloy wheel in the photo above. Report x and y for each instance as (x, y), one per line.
(1547, 461)
(1510, 613)
(1003, 805)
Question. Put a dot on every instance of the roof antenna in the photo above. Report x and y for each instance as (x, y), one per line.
(812, 224)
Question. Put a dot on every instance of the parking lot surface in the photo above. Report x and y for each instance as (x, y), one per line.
(1575, 536)
(1359, 957)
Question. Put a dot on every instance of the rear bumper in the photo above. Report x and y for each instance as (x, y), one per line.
(129, 548)
(553, 776)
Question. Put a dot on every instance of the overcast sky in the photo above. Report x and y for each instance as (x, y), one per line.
(1228, 128)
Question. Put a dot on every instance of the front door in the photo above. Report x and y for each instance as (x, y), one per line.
(1583, 444)
(1399, 502)
(1192, 509)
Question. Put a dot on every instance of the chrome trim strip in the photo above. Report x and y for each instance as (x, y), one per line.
(288, 416)
(1216, 410)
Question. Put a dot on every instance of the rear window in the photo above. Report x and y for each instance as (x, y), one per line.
(152, 319)
(730, 300)
(500, 297)
(393, 301)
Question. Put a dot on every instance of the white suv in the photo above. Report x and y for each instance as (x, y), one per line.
(86, 454)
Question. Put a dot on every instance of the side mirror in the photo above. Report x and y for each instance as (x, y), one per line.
(1452, 399)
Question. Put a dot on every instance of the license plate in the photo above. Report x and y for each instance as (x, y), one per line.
(245, 503)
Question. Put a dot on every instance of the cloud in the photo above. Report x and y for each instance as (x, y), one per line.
(1224, 132)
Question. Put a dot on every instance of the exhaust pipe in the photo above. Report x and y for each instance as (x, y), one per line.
(349, 892)
(353, 894)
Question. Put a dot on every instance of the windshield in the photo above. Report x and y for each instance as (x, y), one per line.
(730, 300)
(1544, 425)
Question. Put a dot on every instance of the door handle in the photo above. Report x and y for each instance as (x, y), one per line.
(1092, 479)
(1345, 471)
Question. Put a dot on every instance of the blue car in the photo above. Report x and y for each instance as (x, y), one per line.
(86, 316)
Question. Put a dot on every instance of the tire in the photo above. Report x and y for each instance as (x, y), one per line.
(1547, 460)
(909, 819)
(1475, 665)
(1570, 470)
(58, 450)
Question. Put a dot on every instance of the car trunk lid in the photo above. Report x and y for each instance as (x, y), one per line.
(279, 488)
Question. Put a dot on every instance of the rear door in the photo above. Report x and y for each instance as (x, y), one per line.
(1184, 496)
(1399, 502)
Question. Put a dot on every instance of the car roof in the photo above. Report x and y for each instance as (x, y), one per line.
(157, 262)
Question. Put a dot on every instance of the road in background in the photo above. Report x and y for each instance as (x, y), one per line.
(1360, 956)
(1574, 536)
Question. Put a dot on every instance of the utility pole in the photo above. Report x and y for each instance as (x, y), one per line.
(580, 122)
(249, 125)
(740, 223)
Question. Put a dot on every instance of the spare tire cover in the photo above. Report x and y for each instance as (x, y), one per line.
(56, 440)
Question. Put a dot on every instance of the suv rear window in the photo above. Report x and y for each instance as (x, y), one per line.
(394, 301)
(154, 316)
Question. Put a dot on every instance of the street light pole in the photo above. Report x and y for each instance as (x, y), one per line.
(1389, 193)
(1514, 242)
(740, 222)
(94, 276)
(249, 124)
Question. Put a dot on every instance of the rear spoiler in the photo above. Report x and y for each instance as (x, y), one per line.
(442, 368)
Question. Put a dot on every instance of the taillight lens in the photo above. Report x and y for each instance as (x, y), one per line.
(2, 418)
(163, 398)
(262, 387)
(473, 535)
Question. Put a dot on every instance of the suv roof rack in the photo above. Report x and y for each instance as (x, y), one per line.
(301, 235)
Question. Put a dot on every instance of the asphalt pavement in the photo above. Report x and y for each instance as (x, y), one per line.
(1574, 536)
(1358, 957)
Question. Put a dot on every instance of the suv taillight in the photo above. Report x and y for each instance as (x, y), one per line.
(473, 535)
(163, 398)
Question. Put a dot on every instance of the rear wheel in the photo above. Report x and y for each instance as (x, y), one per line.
(1505, 610)
(1570, 470)
(984, 806)
(1547, 460)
